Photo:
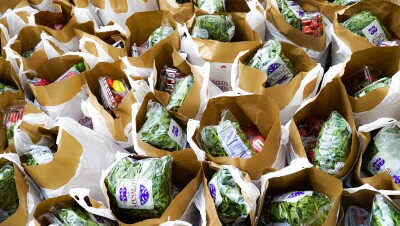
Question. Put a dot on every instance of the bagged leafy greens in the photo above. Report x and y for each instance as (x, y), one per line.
(211, 6)
(333, 144)
(216, 27)
(306, 208)
(228, 198)
(356, 216)
(140, 188)
(4, 88)
(179, 93)
(291, 12)
(39, 155)
(71, 215)
(368, 26)
(383, 82)
(226, 139)
(8, 192)
(161, 130)
(382, 155)
(159, 34)
(345, 2)
(383, 213)
(270, 60)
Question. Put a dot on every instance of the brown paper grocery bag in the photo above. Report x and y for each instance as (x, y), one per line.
(230, 6)
(138, 32)
(140, 119)
(387, 13)
(385, 59)
(20, 4)
(181, 12)
(8, 4)
(186, 176)
(329, 9)
(293, 34)
(322, 106)
(306, 180)
(106, 41)
(170, 57)
(209, 169)
(66, 159)
(57, 93)
(261, 111)
(20, 217)
(124, 111)
(9, 77)
(225, 52)
(253, 80)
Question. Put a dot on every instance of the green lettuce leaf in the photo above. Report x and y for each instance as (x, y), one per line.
(8, 192)
(216, 27)
(383, 213)
(181, 90)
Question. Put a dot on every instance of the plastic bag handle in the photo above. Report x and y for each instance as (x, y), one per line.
(192, 126)
(102, 53)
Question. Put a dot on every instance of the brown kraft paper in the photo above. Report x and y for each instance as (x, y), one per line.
(305, 180)
(182, 120)
(293, 34)
(253, 80)
(321, 107)
(57, 93)
(181, 12)
(23, 15)
(251, 109)
(225, 52)
(138, 32)
(387, 13)
(124, 111)
(187, 176)
(230, 6)
(20, 217)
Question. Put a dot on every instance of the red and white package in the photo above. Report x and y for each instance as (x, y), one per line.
(112, 91)
(255, 138)
(312, 24)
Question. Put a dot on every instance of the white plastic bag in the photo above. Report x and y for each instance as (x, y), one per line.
(256, 18)
(15, 23)
(131, 70)
(196, 211)
(45, 5)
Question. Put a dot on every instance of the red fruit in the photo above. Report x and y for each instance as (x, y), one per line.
(257, 143)
(305, 22)
(118, 98)
(314, 25)
(110, 82)
(315, 33)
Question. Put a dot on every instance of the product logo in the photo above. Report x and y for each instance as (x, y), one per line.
(223, 67)
(123, 194)
(273, 67)
(295, 194)
(144, 195)
(301, 13)
(372, 30)
(378, 164)
(175, 131)
(293, 4)
(396, 179)
(213, 191)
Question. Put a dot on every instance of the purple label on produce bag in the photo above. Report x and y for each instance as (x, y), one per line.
(134, 194)
(213, 191)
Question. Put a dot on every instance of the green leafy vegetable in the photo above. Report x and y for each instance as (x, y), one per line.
(359, 21)
(291, 12)
(345, 2)
(140, 188)
(267, 57)
(333, 144)
(211, 6)
(382, 154)
(306, 208)
(68, 215)
(226, 139)
(8, 192)
(383, 213)
(160, 33)
(228, 198)
(178, 95)
(216, 27)
(39, 155)
(383, 82)
(4, 88)
(161, 131)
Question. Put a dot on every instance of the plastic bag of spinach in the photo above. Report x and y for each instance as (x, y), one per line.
(333, 144)
(211, 6)
(69, 215)
(304, 208)
(345, 2)
(232, 208)
(140, 188)
(382, 155)
(179, 93)
(216, 27)
(226, 139)
(39, 155)
(383, 213)
(368, 26)
(161, 131)
(383, 82)
(8, 192)
(159, 34)
(291, 12)
(270, 60)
